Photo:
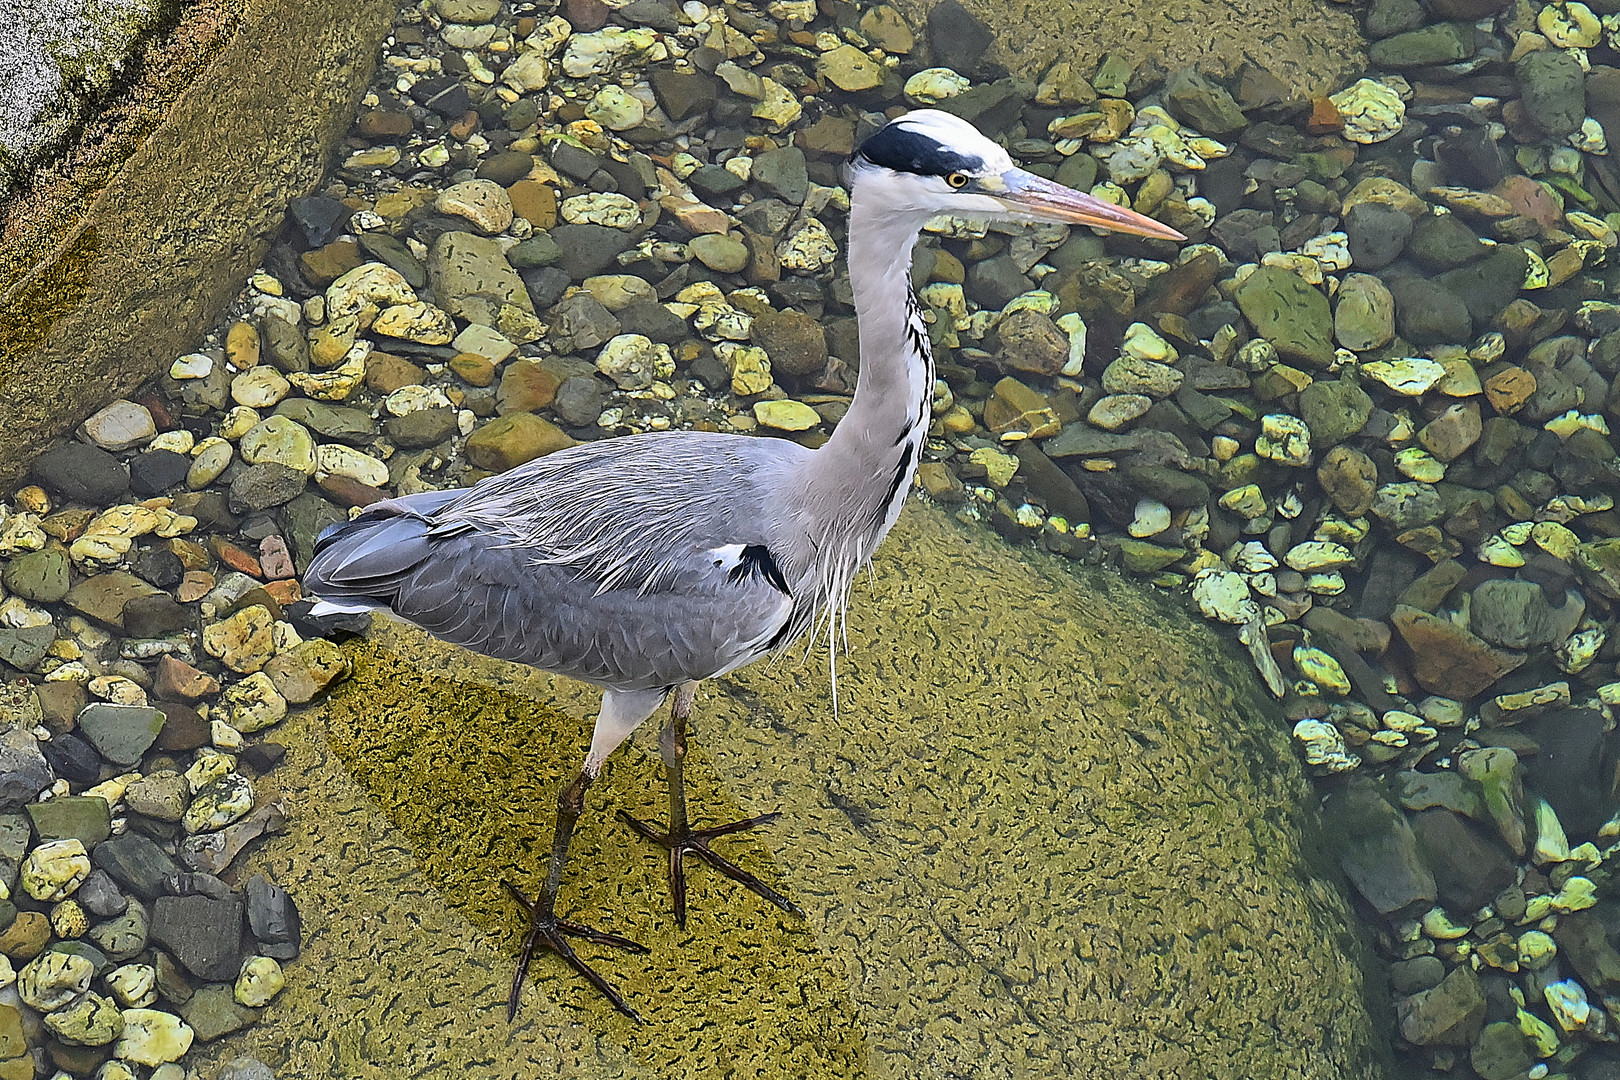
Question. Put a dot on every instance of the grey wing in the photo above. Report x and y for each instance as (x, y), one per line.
(711, 606)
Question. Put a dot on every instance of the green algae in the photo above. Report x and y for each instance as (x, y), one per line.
(1052, 829)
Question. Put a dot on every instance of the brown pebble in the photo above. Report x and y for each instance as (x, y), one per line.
(195, 586)
(383, 124)
(60, 703)
(535, 202)
(285, 592)
(586, 16)
(275, 559)
(464, 127)
(26, 937)
(183, 728)
(472, 369)
(349, 491)
(177, 679)
(235, 557)
(386, 372)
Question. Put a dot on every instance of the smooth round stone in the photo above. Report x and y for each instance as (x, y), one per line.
(373, 283)
(42, 576)
(152, 1037)
(119, 426)
(1117, 411)
(786, 415)
(192, 366)
(719, 252)
(212, 456)
(482, 202)
(618, 291)
(279, 441)
(133, 985)
(261, 979)
(615, 108)
(259, 387)
(54, 979)
(347, 461)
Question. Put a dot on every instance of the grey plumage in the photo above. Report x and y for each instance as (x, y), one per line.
(653, 562)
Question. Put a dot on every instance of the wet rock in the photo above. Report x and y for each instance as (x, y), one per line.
(1443, 242)
(1501, 1052)
(586, 250)
(1553, 89)
(509, 441)
(86, 818)
(1583, 942)
(1517, 615)
(81, 473)
(580, 400)
(136, 863)
(243, 641)
(1387, 17)
(102, 597)
(472, 279)
(956, 38)
(795, 342)
(1379, 852)
(682, 94)
(1426, 313)
(1442, 43)
(306, 670)
(1452, 433)
(782, 173)
(123, 937)
(213, 1012)
(581, 322)
(120, 733)
(1468, 867)
(1376, 234)
(273, 918)
(421, 428)
(992, 283)
(162, 795)
(1420, 973)
(99, 895)
(24, 772)
(152, 1037)
(1489, 285)
(1448, 1015)
(262, 486)
(38, 575)
(27, 935)
(72, 759)
(54, 979)
(92, 1020)
(1029, 341)
(1364, 315)
(119, 426)
(1448, 660)
(155, 616)
(1289, 313)
(1201, 102)
(203, 934)
(1334, 410)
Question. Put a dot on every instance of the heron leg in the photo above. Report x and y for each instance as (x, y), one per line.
(680, 839)
(546, 929)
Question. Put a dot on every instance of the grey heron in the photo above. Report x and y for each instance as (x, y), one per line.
(649, 563)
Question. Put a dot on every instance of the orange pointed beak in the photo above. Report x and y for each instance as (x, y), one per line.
(1043, 200)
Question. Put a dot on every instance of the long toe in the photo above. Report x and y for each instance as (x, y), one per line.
(551, 932)
(683, 842)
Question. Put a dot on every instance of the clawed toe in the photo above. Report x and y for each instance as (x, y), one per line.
(688, 841)
(547, 929)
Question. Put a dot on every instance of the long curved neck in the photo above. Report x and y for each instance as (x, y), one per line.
(850, 495)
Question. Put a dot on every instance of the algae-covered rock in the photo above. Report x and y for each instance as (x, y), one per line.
(1174, 859)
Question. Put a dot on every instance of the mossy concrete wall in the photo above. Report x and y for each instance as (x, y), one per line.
(1312, 46)
(1055, 829)
(116, 259)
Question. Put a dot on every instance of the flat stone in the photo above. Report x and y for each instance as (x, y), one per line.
(102, 597)
(485, 203)
(273, 918)
(307, 669)
(1029, 341)
(124, 936)
(1379, 853)
(42, 576)
(795, 342)
(720, 252)
(260, 487)
(849, 69)
(1288, 312)
(1449, 660)
(213, 1012)
(81, 473)
(471, 277)
(203, 934)
(1469, 868)
(136, 863)
(24, 772)
(1364, 313)
(120, 426)
(509, 441)
(86, 818)
(1448, 1015)
(421, 428)
(152, 1037)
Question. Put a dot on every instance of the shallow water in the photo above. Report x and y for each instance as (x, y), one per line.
(1008, 868)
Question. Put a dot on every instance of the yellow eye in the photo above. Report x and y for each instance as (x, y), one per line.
(957, 180)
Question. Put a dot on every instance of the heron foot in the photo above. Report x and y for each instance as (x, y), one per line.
(546, 929)
(686, 841)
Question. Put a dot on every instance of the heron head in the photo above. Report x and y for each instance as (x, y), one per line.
(932, 162)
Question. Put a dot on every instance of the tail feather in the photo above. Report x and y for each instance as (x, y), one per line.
(368, 558)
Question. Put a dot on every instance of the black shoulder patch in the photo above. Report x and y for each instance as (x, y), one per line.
(756, 561)
(905, 149)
